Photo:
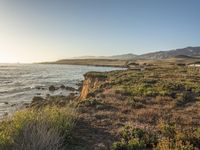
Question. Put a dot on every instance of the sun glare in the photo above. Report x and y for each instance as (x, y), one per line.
(6, 57)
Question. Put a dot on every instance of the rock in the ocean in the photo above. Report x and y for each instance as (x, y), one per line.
(13, 105)
(52, 88)
(38, 87)
(48, 95)
(37, 99)
(62, 87)
(70, 88)
(5, 114)
(79, 83)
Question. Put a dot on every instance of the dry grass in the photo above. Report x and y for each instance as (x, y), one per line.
(144, 100)
(39, 136)
(46, 129)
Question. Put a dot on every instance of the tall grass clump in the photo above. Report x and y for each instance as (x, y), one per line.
(46, 129)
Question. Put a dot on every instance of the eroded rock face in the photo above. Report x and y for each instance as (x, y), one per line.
(92, 81)
(85, 89)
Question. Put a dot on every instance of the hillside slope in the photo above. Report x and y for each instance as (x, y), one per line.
(188, 51)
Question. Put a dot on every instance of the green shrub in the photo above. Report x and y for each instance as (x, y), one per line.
(138, 133)
(191, 136)
(168, 130)
(99, 75)
(135, 139)
(169, 138)
(135, 144)
(185, 98)
(119, 146)
(46, 129)
(168, 144)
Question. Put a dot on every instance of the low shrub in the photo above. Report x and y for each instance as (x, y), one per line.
(185, 98)
(148, 116)
(135, 139)
(119, 146)
(29, 129)
(168, 130)
(135, 103)
(90, 102)
(169, 138)
(133, 144)
(169, 144)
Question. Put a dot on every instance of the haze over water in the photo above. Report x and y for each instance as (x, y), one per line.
(19, 82)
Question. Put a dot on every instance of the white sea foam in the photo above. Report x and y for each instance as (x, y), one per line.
(19, 83)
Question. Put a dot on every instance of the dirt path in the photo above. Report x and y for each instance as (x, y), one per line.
(94, 130)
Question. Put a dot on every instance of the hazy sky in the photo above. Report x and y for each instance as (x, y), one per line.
(45, 30)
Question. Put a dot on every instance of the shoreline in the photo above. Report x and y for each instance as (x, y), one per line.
(91, 62)
(36, 81)
(83, 65)
(39, 100)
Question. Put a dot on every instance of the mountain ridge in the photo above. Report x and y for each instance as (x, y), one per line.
(187, 51)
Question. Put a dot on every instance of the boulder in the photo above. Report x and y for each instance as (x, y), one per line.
(62, 87)
(13, 105)
(52, 88)
(37, 99)
(70, 88)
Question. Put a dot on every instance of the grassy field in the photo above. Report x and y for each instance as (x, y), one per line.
(158, 108)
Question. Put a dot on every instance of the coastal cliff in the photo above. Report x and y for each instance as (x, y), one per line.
(116, 104)
(92, 82)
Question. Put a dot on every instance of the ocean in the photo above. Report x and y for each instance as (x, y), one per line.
(19, 83)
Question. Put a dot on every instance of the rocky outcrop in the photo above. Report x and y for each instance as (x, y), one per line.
(59, 100)
(92, 82)
(68, 88)
(52, 88)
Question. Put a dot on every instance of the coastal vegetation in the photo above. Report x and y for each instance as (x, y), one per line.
(46, 129)
(156, 107)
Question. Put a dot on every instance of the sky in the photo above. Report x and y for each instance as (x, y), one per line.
(48, 30)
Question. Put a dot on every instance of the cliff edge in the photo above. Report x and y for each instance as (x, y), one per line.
(92, 82)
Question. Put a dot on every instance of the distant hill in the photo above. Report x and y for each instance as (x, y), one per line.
(178, 56)
(184, 57)
(120, 57)
(188, 51)
(123, 57)
(91, 62)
